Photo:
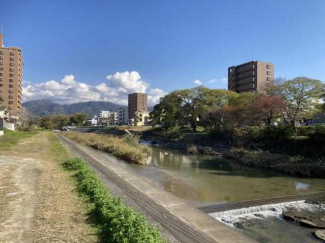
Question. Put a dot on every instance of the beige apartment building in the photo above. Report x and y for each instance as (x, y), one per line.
(252, 76)
(137, 102)
(11, 78)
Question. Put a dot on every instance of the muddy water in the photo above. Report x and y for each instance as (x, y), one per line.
(207, 180)
(204, 180)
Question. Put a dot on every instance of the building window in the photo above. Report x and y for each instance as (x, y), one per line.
(1, 63)
(1, 57)
(1, 79)
(1, 52)
(268, 72)
(11, 80)
(10, 102)
(11, 97)
(12, 53)
(268, 66)
(11, 75)
(1, 85)
(12, 64)
(1, 74)
(12, 59)
(230, 70)
(1, 68)
(268, 79)
(11, 85)
(11, 69)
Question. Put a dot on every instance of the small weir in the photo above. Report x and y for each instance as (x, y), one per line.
(259, 203)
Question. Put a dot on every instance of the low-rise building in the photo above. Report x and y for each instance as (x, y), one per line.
(3, 116)
(104, 114)
(113, 119)
(123, 116)
(141, 118)
(93, 121)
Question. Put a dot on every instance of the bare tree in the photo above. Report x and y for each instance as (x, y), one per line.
(25, 118)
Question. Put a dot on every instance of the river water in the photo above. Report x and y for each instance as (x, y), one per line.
(205, 180)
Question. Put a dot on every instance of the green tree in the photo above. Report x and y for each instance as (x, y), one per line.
(46, 122)
(59, 121)
(78, 118)
(168, 112)
(302, 97)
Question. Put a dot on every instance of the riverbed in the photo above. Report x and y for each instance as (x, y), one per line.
(206, 180)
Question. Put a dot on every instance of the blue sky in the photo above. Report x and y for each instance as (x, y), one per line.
(169, 43)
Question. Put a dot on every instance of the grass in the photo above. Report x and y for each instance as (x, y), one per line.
(117, 222)
(12, 138)
(127, 147)
(57, 151)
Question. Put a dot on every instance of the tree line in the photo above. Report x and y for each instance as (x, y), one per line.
(288, 100)
(59, 121)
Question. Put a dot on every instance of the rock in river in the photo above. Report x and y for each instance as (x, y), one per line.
(320, 234)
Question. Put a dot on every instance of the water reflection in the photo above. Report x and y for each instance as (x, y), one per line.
(208, 179)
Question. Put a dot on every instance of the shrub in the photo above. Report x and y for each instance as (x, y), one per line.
(192, 149)
(74, 164)
(224, 134)
(118, 222)
(305, 130)
(317, 141)
(207, 150)
(127, 147)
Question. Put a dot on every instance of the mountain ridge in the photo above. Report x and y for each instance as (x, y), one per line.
(46, 107)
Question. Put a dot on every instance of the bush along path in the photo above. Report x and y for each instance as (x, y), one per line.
(117, 222)
(127, 147)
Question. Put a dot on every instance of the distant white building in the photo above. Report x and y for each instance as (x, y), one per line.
(123, 116)
(94, 121)
(104, 114)
(113, 119)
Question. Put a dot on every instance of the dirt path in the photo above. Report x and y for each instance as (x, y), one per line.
(37, 198)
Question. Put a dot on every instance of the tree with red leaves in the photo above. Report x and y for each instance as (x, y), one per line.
(265, 109)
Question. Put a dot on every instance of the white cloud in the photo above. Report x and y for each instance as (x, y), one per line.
(224, 80)
(197, 82)
(69, 90)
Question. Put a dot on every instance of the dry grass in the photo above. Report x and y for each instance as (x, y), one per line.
(127, 148)
(48, 208)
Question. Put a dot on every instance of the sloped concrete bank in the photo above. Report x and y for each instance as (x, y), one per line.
(185, 223)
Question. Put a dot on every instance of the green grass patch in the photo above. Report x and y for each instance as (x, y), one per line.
(57, 150)
(118, 223)
(127, 147)
(12, 138)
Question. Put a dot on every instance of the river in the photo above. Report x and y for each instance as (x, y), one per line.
(204, 180)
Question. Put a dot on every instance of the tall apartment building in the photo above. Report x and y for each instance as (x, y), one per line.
(11, 78)
(250, 77)
(137, 102)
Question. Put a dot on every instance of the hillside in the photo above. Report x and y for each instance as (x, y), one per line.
(47, 107)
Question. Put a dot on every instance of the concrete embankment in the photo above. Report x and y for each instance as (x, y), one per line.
(185, 223)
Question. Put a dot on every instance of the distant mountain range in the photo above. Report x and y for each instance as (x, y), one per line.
(47, 107)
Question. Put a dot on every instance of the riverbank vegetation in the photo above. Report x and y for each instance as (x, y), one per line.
(278, 121)
(127, 147)
(59, 121)
(118, 223)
